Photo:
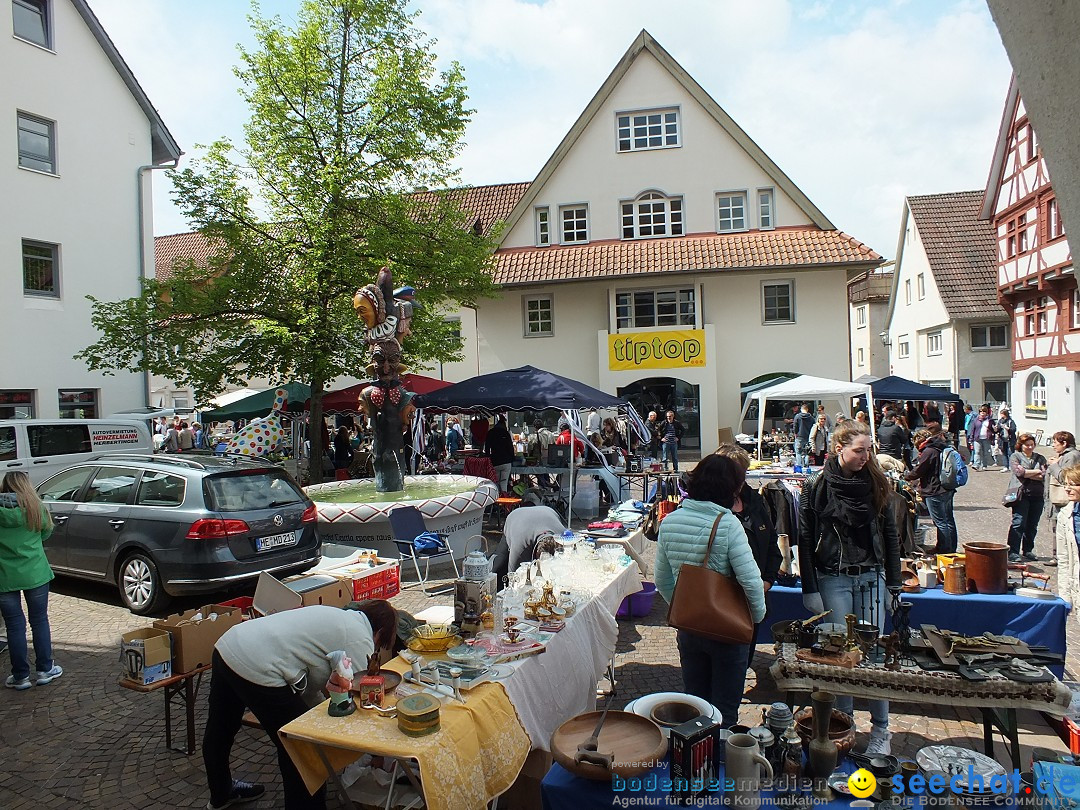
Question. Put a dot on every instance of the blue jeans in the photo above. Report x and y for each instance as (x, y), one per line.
(941, 512)
(37, 604)
(714, 671)
(1025, 525)
(670, 452)
(802, 454)
(984, 453)
(864, 596)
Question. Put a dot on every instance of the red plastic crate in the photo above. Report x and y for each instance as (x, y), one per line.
(381, 582)
(246, 604)
(1072, 735)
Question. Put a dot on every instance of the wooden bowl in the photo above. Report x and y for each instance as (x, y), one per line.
(636, 743)
(673, 713)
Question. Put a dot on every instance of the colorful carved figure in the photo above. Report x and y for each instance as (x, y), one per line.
(387, 403)
(262, 436)
(340, 684)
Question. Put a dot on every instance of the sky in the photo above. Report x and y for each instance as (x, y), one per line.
(860, 102)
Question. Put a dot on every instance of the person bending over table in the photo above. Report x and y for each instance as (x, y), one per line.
(276, 666)
(712, 670)
(848, 547)
(523, 527)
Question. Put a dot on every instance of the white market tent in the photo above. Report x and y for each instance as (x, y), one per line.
(805, 387)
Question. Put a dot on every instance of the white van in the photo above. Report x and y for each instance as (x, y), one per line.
(41, 447)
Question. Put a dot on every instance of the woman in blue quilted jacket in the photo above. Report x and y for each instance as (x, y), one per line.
(712, 670)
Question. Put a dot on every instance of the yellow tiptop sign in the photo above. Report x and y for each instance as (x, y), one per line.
(629, 351)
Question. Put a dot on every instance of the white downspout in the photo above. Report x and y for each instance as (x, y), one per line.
(140, 204)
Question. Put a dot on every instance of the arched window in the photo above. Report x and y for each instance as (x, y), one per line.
(1036, 392)
(652, 214)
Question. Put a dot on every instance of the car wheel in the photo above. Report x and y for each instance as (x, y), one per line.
(140, 584)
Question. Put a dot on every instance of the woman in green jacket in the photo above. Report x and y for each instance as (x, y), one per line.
(25, 573)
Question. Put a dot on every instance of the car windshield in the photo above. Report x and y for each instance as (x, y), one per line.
(261, 490)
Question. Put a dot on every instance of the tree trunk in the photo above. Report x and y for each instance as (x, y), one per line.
(316, 431)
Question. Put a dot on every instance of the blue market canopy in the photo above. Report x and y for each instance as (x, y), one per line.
(517, 389)
(898, 388)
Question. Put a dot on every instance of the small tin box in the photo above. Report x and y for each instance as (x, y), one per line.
(372, 689)
(418, 715)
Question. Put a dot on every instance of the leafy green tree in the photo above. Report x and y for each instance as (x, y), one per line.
(348, 118)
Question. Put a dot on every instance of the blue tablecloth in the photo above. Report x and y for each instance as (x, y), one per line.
(1034, 621)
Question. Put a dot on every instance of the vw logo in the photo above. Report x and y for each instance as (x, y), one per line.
(278, 520)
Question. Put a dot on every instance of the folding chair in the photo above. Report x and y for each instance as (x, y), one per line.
(407, 523)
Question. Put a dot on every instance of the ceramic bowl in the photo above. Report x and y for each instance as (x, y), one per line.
(841, 729)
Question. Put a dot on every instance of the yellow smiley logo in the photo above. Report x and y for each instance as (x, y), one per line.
(861, 783)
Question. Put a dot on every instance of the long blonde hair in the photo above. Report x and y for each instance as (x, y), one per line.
(37, 518)
(844, 435)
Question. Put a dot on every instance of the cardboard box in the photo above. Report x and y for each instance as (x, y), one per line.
(272, 595)
(693, 759)
(193, 639)
(146, 655)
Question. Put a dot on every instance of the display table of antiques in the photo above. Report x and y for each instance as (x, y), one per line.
(550, 636)
(996, 674)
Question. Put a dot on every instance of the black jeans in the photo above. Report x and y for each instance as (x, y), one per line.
(274, 707)
(1025, 524)
(714, 671)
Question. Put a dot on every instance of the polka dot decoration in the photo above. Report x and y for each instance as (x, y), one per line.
(262, 436)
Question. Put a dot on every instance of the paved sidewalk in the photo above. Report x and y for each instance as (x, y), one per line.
(84, 742)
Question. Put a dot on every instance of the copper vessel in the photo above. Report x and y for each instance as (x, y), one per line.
(987, 567)
(955, 579)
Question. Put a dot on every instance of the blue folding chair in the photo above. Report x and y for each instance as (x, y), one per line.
(407, 524)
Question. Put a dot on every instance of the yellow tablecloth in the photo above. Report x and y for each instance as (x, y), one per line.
(474, 756)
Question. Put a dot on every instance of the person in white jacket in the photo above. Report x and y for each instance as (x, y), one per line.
(1068, 556)
(712, 670)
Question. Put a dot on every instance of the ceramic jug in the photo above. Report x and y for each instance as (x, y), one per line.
(475, 566)
(742, 771)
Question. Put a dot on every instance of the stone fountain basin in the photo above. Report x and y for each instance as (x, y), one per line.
(352, 513)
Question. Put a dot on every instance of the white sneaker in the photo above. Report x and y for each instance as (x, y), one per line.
(50, 676)
(880, 742)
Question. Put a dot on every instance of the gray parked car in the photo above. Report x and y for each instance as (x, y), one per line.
(159, 526)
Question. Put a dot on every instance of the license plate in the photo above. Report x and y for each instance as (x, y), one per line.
(275, 541)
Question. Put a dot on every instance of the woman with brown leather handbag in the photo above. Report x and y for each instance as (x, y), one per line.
(704, 533)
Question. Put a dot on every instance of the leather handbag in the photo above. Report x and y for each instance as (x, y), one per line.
(1012, 494)
(1058, 497)
(710, 604)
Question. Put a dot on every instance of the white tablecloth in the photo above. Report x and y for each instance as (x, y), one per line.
(550, 688)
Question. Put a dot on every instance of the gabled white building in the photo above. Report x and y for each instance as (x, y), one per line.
(77, 142)
(944, 326)
(868, 306)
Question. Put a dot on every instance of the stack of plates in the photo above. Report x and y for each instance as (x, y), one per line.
(643, 706)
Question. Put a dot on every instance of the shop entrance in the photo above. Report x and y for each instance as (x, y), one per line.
(662, 394)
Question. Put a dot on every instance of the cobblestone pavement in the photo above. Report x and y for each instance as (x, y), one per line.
(83, 742)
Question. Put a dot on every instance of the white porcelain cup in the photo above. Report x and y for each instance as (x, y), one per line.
(742, 771)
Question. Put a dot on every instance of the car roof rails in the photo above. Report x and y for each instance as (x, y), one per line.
(190, 463)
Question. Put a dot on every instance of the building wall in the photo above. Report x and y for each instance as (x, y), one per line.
(912, 319)
(89, 209)
(709, 161)
(1063, 404)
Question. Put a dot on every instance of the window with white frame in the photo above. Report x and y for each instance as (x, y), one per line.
(990, 336)
(539, 315)
(37, 143)
(766, 218)
(907, 292)
(731, 212)
(574, 220)
(1042, 315)
(650, 215)
(862, 357)
(543, 226)
(1036, 395)
(647, 129)
(933, 342)
(640, 309)
(778, 302)
(1074, 309)
(41, 269)
(920, 280)
(903, 346)
(860, 317)
(30, 21)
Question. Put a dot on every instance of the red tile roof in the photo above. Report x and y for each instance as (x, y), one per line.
(962, 251)
(179, 247)
(783, 247)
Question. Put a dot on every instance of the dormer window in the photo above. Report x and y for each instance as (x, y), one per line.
(652, 214)
(647, 129)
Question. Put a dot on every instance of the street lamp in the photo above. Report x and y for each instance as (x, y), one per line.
(886, 341)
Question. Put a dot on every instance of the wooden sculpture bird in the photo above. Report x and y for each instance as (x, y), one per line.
(261, 436)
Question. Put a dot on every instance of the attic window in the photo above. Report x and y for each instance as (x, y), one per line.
(647, 129)
(30, 20)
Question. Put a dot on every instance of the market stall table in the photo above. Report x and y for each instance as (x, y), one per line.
(181, 689)
(629, 481)
(1037, 622)
(997, 698)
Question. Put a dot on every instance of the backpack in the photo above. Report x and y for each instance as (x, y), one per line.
(954, 472)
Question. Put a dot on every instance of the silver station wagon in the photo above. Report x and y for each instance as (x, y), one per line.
(159, 526)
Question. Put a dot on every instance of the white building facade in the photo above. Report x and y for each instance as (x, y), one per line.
(1035, 276)
(76, 149)
(868, 306)
(945, 327)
